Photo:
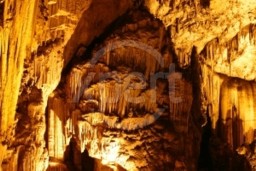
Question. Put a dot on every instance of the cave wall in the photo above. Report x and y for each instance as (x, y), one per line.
(206, 46)
(228, 84)
(126, 98)
(33, 37)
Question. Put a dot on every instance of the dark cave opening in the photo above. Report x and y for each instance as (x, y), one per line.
(1, 13)
(205, 161)
(70, 154)
(216, 154)
(87, 161)
(205, 3)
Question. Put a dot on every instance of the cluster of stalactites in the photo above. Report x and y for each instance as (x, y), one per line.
(140, 60)
(235, 58)
(81, 78)
(122, 95)
(133, 59)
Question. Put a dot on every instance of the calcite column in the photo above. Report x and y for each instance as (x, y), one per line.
(56, 132)
(238, 117)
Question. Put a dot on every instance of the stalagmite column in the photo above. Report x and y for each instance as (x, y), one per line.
(56, 140)
(51, 132)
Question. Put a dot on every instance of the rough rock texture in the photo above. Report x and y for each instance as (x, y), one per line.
(196, 22)
(127, 85)
(33, 37)
(31, 43)
(118, 110)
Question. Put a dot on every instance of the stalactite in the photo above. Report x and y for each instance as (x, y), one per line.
(183, 57)
(116, 96)
(45, 68)
(132, 57)
(81, 78)
(229, 57)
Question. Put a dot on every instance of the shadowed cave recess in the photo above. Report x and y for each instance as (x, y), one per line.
(127, 85)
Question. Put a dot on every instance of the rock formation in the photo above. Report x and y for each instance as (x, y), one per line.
(127, 85)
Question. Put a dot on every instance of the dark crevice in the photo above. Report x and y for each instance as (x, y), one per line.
(1, 13)
(71, 159)
(45, 47)
(216, 154)
(205, 3)
(87, 161)
(205, 161)
(194, 74)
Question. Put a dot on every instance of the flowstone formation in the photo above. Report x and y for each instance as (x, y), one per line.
(127, 85)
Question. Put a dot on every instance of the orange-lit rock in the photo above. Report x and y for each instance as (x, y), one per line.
(127, 85)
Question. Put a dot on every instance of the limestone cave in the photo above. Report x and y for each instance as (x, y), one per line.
(127, 85)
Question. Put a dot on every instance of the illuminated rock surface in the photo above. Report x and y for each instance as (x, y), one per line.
(127, 85)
